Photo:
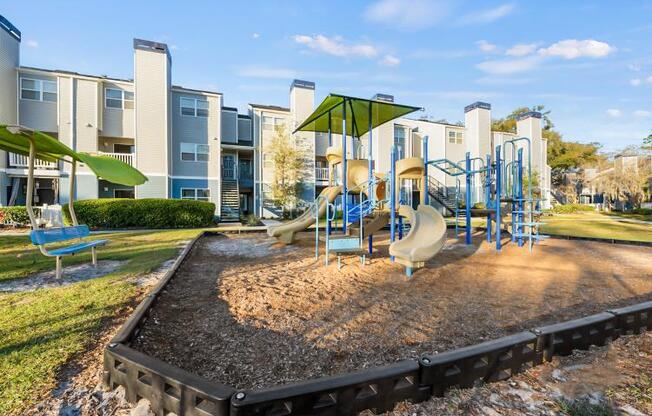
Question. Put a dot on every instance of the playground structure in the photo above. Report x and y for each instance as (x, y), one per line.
(503, 184)
(367, 200)
(36, 145)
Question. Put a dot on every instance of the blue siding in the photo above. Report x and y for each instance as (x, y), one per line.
(177, 184)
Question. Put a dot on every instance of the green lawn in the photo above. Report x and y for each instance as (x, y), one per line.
(40, 331)
(591, 224)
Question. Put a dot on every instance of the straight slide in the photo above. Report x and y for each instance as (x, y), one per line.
(286, 232)
(426, 238)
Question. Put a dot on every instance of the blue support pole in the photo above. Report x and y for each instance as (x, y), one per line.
(520, 205)
(400, 227)
(330, 175)
(344, 178)
(370, 188)
(499, 178)
(392, 196)
(468, 197)
(487, 196)
(425, 171)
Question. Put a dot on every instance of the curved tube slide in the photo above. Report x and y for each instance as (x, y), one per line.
(426, 238)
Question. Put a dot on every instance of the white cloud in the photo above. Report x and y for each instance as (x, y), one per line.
(488, 15)
(522, 49)
(640, 81)
(485, 46)
(509, 66)
(642, 113)
(266, 72)
(390, 60)
(255, 35)
(32, 43)
(408, 14)
(615, 113)
(335, 46)
(573, 48)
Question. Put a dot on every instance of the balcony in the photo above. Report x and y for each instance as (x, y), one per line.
(127, 158)
(321, 174)
(22, 162)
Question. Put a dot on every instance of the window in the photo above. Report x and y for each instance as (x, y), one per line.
(38, 90)
(194, 152)
(124, 193)
(455, 137)
(120, 99)
(399, 141)
(122, 148)
(199, 194)
(269, 123)
(193, 107)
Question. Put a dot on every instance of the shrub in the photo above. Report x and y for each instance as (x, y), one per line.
(142, 213)
(572, 208)
(16, 215)
(252, 220)
(642, 211)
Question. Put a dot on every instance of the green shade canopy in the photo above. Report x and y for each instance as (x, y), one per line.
(357, 115)
(16, 139)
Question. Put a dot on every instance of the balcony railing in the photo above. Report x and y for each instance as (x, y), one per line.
(127, 158)
(20, 161)
(321, 174)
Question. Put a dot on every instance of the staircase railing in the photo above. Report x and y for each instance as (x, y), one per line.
(440, 192)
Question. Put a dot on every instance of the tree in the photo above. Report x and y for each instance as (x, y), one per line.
(289, 163)
(562, 155)
(647, 142)
(630, 185)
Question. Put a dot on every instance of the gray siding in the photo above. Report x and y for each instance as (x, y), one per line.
(154, 188)
(39, 115)
(116, 122)
(86, 187)
(229, 126)
(187, 129)
(9, 61)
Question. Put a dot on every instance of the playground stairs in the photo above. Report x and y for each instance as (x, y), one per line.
(440, 193)
(371, 224)
(230, 201)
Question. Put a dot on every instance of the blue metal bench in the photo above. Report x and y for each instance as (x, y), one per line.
(55, 235)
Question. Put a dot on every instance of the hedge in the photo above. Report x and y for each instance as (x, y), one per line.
(572, 208)
(16, 215)
(142, 213)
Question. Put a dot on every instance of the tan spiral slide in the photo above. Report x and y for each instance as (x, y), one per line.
(426, 238)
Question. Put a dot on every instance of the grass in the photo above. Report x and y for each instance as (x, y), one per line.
(43, 330)
(631, 215)
(595, 225)
(582, 407)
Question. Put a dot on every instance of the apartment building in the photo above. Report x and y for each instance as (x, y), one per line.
(190, 144)
(187, 142)
(445, 141)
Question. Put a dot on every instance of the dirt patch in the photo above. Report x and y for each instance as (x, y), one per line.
(251, 320)
(611, 380)
(70, 275)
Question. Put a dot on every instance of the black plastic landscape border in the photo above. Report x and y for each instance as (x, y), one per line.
(170, 389)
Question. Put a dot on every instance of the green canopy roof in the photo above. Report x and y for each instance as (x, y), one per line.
(16, 139)
(357, 115)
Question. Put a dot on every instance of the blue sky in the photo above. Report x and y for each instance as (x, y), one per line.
(588, 62)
